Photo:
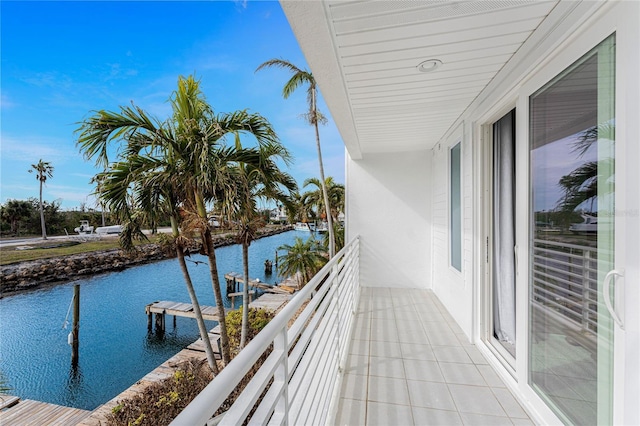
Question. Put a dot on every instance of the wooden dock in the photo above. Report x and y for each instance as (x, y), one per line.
(240, 294)
(271, 302)
(209, 313)
(177, 309)
(233, 280)
(27, 412)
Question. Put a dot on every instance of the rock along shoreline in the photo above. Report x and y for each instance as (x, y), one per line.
(22, 277)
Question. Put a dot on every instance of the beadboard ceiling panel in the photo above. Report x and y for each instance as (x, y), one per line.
(365, 54)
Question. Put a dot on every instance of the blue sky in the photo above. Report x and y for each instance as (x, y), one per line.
(62, 60)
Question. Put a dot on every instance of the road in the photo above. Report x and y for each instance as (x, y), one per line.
(38, 240)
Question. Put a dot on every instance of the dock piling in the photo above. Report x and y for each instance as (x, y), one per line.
(76, 325)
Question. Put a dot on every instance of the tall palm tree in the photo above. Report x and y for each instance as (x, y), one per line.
(252, 183)
(315, 198)
(196, 138)
(152, 186)
(204, 136)
(44, 171)
(303, 260)
(313, 116)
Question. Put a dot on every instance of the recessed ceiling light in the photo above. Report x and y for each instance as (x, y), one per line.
(429, 65)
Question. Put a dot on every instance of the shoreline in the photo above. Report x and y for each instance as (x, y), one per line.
(23, 277)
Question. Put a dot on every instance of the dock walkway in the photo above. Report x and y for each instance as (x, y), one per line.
(166, 369)
(179, 309)
(234, 278)
(27, 412)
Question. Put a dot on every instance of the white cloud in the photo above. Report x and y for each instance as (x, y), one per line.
(116, 72)
(49, 79)
(32, 148)
(5, 102)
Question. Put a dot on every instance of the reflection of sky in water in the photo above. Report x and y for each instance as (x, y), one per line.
(551, 162)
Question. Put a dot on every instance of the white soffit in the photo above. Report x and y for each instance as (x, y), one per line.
(364, 55)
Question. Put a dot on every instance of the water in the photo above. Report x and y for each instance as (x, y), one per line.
(116, 349)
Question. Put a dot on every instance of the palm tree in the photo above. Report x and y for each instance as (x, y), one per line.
(315, 198)
(44, 171)
(297, 210)
(313, 116)
(581, 184)
(138, 191)
(195, 136)
(303, 260)
(204, 134)
(253, 183)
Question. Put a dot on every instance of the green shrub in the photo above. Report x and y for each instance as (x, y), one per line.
(258, 319)
(161, 402)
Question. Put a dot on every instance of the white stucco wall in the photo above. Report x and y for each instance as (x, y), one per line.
(454, 288)
(388, 205)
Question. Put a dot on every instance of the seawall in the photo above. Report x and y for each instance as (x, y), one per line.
(24, 276)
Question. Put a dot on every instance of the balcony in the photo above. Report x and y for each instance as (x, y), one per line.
(409, 363)
(358, 355)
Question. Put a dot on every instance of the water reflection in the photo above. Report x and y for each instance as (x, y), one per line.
(74, 387)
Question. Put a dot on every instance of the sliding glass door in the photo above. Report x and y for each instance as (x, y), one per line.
(572, 134)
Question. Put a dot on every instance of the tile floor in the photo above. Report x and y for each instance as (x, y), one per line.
(410, 364)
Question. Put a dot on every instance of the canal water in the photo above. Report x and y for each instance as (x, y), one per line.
(116, 349)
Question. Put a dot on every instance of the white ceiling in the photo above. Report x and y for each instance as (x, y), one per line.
(364, 56)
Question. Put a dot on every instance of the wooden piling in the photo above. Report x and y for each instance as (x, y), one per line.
(76, 325)
(160, 322)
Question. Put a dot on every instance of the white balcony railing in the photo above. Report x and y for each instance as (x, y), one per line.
(299, 378)
(565, 283)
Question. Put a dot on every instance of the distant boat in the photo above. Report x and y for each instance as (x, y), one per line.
(84, 228)
(114, 229)
(302, 226)
(322, 228)
(589, 225)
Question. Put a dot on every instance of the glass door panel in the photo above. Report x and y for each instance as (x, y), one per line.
(571, 238)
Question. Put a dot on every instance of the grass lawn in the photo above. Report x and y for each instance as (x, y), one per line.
(44, 250)
(40, 251)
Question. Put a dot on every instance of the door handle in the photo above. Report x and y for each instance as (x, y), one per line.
(610, 277)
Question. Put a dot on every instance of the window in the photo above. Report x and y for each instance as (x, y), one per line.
(455, 207)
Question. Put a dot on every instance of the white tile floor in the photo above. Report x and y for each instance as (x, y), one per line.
(410, 364)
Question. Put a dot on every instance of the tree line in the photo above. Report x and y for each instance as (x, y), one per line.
(22, 218)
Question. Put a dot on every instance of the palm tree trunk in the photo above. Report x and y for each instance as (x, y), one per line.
(325, 196)
(207, 240)
(245, 296)
(44, 230)
(204, 335)
(215, 283)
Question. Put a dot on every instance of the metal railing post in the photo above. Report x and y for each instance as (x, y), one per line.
(281, 376)
(336, 300)
(586, 263)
